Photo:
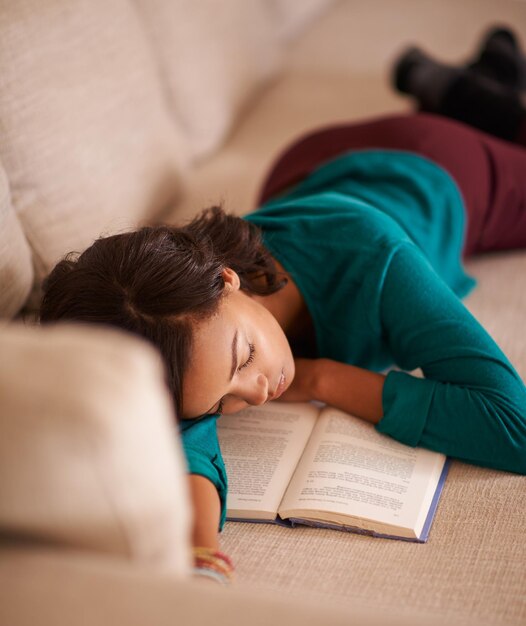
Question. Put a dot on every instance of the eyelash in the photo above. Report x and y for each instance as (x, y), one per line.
(252, 352)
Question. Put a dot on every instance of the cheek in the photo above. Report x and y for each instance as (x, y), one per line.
(278, 350)
(272, 345)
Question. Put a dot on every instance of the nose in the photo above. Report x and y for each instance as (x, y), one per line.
(257, 392)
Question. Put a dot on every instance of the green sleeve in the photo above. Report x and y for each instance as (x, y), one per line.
(203, 455)
(472, 403)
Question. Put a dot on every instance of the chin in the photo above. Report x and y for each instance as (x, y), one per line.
(290, 371)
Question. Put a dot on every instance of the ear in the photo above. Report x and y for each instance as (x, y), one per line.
(231, 278)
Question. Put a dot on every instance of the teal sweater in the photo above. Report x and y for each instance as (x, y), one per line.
(373, 240)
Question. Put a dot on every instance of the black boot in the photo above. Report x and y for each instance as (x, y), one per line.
(500, 58)
(459, 93)
(417, 74)
(484, 104)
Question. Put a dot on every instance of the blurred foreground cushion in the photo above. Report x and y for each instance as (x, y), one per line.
(89, 456)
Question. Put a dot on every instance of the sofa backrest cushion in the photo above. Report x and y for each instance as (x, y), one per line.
(89, 455)
(213, 56)
(87, 142)
(16, 270)
(292, 16)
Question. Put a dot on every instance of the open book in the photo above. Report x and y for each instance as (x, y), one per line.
(301, 464)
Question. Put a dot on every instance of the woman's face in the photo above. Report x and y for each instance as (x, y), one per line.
(240, 357)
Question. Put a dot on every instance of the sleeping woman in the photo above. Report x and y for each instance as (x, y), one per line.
(352, 263)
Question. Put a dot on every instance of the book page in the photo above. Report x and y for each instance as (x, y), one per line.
(261, 447)
(349, 470)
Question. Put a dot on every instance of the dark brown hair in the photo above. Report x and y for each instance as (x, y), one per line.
(156, 282)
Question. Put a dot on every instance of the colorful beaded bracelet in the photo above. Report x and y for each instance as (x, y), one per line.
(213, 561)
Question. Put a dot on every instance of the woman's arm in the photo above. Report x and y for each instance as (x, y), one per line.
(471, 403)
(209, 562)
(208, 489)
(206, 511)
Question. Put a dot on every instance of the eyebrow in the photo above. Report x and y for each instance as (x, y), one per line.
(234, 357)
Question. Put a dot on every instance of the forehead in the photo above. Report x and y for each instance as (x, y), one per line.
(208, 372)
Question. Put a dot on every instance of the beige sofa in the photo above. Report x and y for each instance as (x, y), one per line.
(124, 112)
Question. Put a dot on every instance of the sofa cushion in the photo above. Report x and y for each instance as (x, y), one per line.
(48, 588)
(213, 56)
(87, 143)
(89, 457)
(292, 106)
(293, 16)
(16, 270)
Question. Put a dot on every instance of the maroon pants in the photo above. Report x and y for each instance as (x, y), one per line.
(491, 173)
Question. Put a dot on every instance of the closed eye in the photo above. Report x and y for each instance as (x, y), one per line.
(251, 355)
(252, 352)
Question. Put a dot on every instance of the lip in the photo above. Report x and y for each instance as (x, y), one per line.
(282, 384)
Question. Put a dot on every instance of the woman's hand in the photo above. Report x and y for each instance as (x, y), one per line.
(305, 384)
(346, 387)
